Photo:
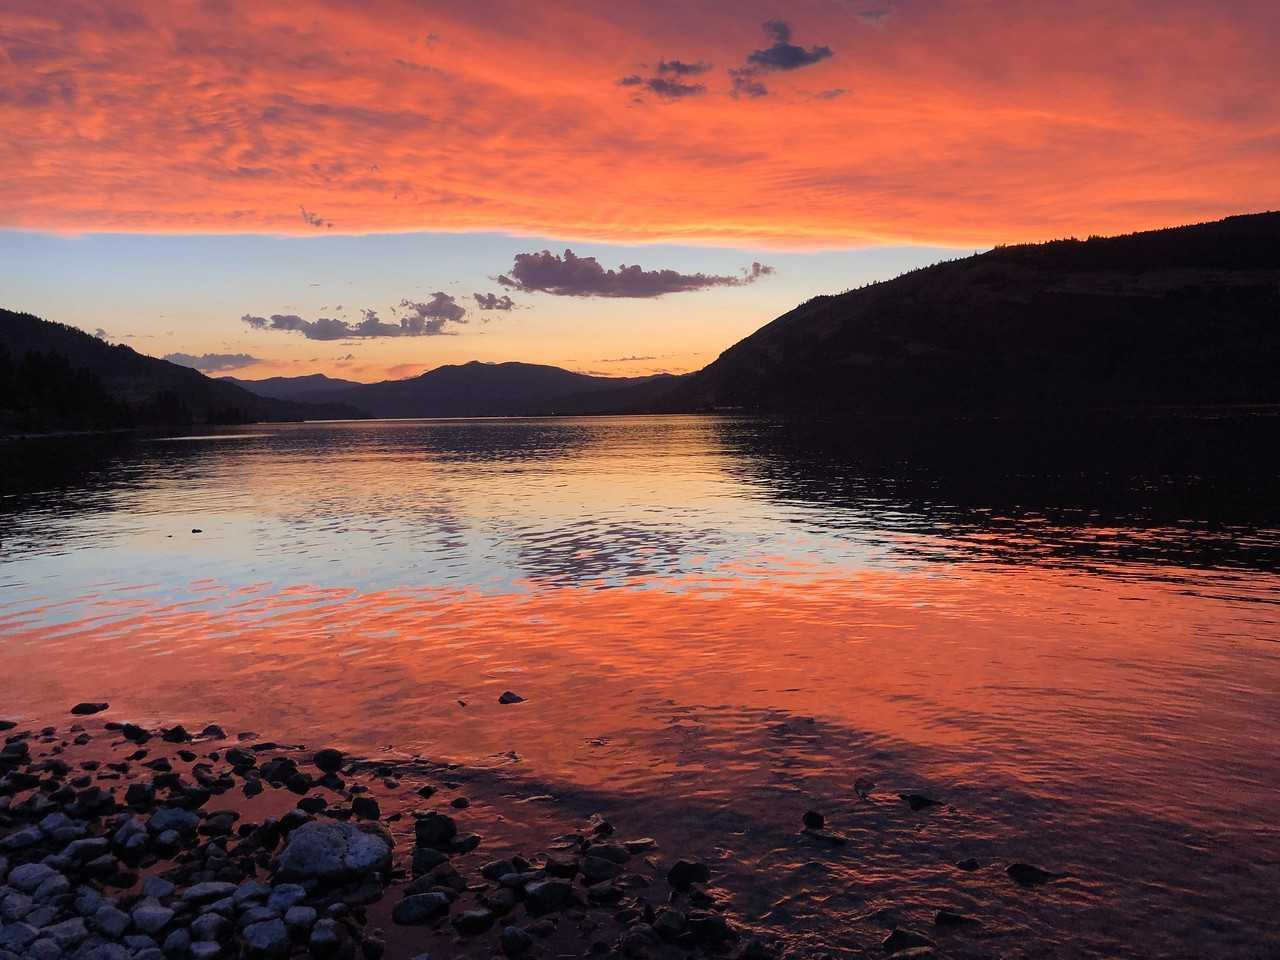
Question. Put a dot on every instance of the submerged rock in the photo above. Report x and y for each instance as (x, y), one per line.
(813, 820)
(918, 801)
(1028, 875)
(88, 708)
(900, 940)
(509, 697)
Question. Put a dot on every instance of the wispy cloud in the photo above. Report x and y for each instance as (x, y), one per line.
(212, 362)
(414, 319)
(492, 301)
(569, 275)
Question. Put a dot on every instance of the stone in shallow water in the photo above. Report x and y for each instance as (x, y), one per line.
(269, 938)
(151, 917)
(683, 873)
(88, 707)
(328, 760)
(419, 909)
(1028, 875)
(515, 941)
(332, 852)
(902, 940)
(508, 697)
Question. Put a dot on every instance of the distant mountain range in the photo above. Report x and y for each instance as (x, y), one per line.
(1183, 316)
(467, 390)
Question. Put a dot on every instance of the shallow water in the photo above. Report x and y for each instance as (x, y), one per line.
(717, 625)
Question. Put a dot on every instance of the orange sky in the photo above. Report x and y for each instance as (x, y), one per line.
(957, 122)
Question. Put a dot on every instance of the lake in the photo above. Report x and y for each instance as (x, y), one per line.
(717, 624)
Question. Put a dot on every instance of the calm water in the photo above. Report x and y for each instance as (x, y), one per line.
(717, 626)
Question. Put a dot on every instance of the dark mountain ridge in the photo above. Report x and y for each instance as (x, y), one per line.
(471, 389)
(53, 376)
(1180, 316)
(292, 388)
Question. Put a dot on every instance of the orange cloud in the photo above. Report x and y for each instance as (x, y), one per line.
(959, 122)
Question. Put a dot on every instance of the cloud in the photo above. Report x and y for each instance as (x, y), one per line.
(101, 334)
(314, 220)
(491, 301)
(781, 54)
(212, 362)
(831, 94)
(417, 319)
(683, 69)
(624, 359)
(573, 276)
(664, 87)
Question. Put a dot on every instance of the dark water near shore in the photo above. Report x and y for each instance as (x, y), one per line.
(1067, 633)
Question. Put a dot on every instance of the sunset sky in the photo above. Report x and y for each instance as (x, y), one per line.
(366, 189)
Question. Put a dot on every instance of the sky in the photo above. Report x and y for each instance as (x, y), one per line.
(373, 189)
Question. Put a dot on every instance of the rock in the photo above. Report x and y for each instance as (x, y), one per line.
(173, 818)
(270, 938)
(1022, 873)
(21, 839)
(207, 891)
(813, 820)
(157, 887)
(472, 922)
(300, 918)
(514, 941)
(110, 922)
(28, 877)
(205, 950)
(426, 859)
(613, 852)
(333, 852)
(435, 830)
(177, 943)
(44, 949)
(497, 869)
(241, 758)
(140, 795)
(209, 926)
(597, 869)
(17, 936)
(285, 896)
(969, 865)
(509, 697)
(900, 940)
(669, 924)
(67, 933)
(326, 938)
(90, 848)
(545, 896)
(85, 709)
(328, 760)
(151, 917)
(366, 808)
(948, 918)
(419, 909)
(683, 873)
(918, 801)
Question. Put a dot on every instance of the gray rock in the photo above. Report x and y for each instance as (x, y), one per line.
(251, 891)
(177, 943)
(17, 936)
(471, 922)
(44, 949)
(267, 939)
(43, 915)
(29, 876)
(285, 895)
(54, 886)
(15, 906)
(326, 938)
(209, 890)
(256, 914)
(21, 839)
(300, 918)
(87, 849)
(321, 853)
(88, 901)
(209, 926)
(173, 818)
(110, 922)
(151, 917)
(67, 933)
(545, 896)
(597, 869)
(157, 887)
(226, 906)
(139, 941)
(515, 942)
(419, 909)
(205, 950)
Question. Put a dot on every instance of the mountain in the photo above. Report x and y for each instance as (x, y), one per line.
(474, 389)
(292, 388)
(1182, 316)
(53, 376)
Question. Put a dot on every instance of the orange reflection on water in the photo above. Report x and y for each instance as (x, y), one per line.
(1043, 677)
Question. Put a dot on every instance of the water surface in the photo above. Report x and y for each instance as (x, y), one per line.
(718, 624)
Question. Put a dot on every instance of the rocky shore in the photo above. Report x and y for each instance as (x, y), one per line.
(124, 843)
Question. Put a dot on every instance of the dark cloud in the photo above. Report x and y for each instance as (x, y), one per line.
(683, 69)
(416, 319)
(831, 94)
(314, 220)
(573, 276)
(664, 87)
(780, 55)
(624, 359)
(212, 362)
(491, 301)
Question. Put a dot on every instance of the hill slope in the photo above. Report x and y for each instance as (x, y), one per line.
(1187, 315)
(113, 385)
(292, 388)
(476, 389)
